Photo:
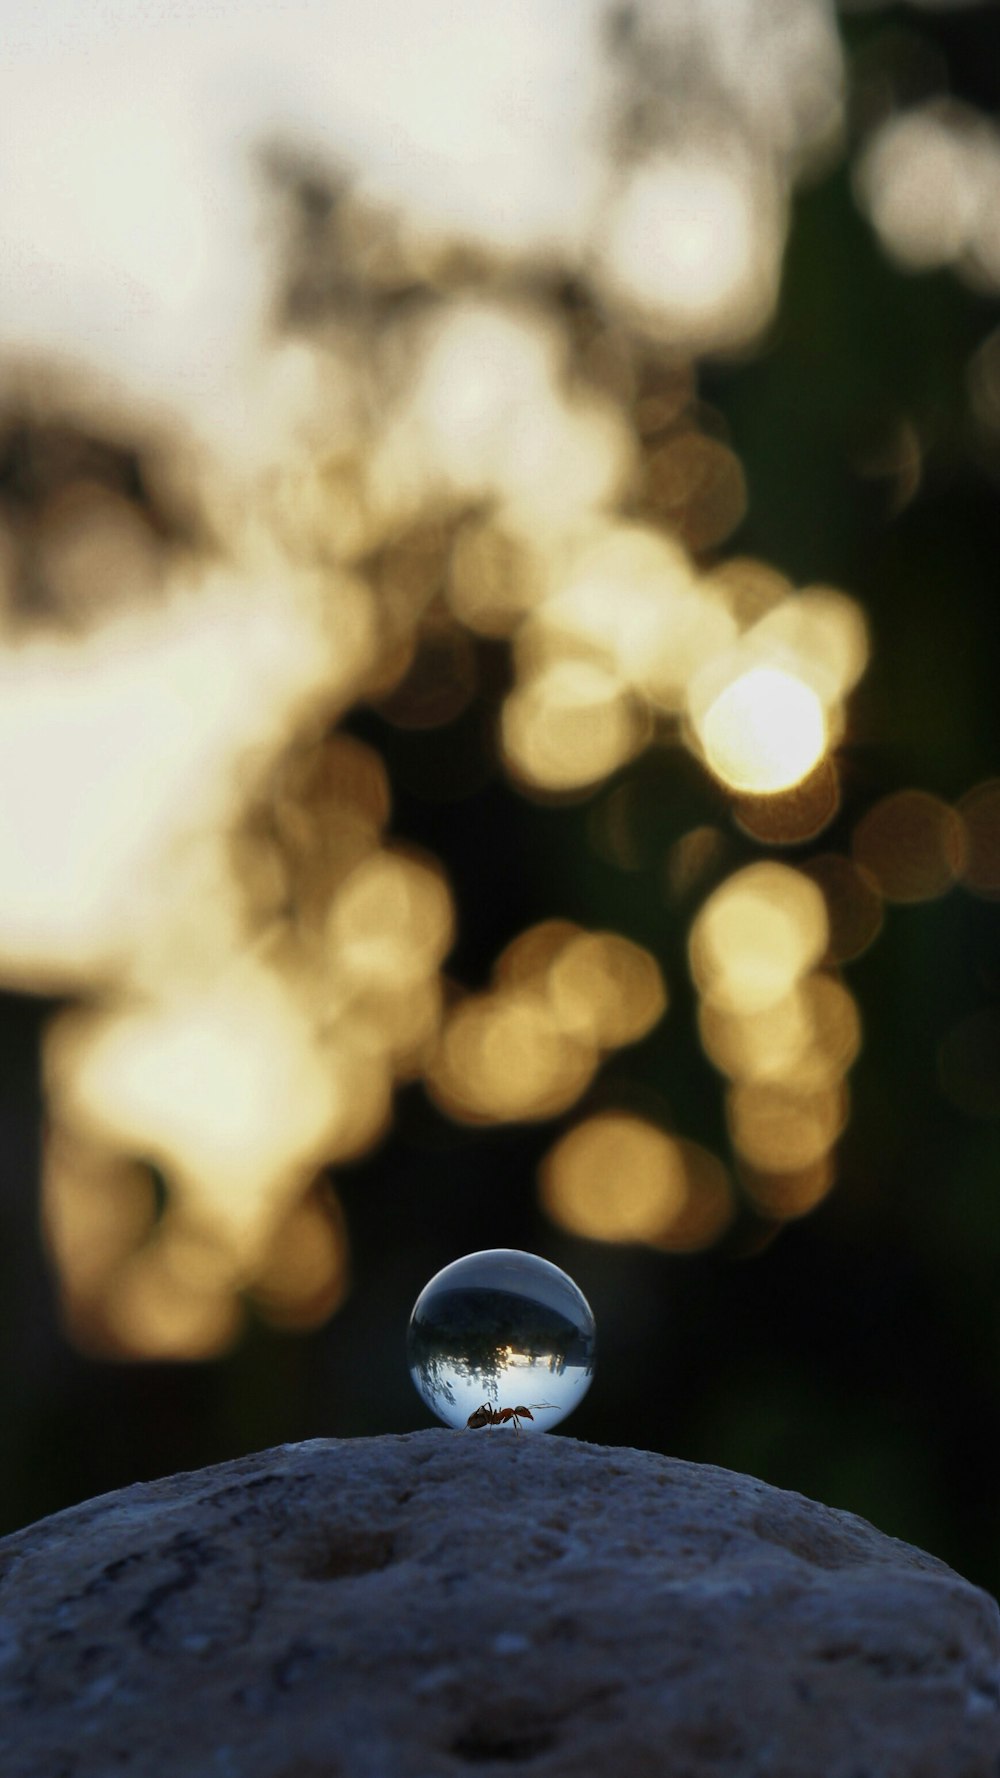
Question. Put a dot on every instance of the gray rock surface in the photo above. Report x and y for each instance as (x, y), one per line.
(445, 1603)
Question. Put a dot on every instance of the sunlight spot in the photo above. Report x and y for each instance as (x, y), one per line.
(764, 732)
(808, 1040)
(615, 1177)
(502, 1058)
(780, 1130)
(628, 596)
(606, 989)
(569, 726)
(391, 922)
(756, 936)
(618, 1177)
(929, 179)
(692, 244)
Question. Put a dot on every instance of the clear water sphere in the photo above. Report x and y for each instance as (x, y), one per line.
(501, 1330)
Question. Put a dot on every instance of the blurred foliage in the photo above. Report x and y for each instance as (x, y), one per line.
(851, 1352)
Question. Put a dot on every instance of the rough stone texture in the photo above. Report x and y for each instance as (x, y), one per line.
(445, 1602)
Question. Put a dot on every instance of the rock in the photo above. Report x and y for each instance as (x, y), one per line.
(442, 1602)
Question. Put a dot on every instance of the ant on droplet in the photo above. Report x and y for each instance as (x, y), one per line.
(489, 1416)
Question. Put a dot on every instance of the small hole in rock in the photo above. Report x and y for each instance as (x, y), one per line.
(352, 1553)
(482, 1744)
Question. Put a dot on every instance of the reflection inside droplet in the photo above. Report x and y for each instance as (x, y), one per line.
(501, 1329)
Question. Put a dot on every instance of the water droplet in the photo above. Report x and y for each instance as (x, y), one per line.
(501, 1330)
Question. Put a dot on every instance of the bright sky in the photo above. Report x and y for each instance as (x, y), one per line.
(126, 207)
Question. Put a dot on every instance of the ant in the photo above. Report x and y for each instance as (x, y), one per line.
(487, 1416)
